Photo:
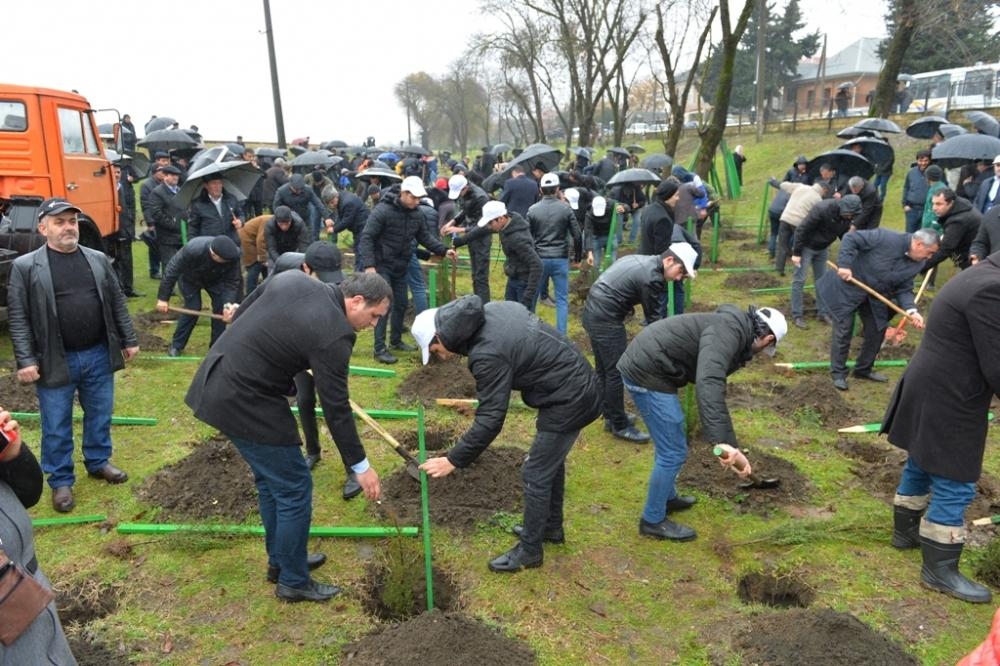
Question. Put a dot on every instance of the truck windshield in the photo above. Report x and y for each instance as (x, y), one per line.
(77, 132)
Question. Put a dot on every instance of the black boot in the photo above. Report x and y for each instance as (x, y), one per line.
(905, 527)
(351, 486)
(940, 572)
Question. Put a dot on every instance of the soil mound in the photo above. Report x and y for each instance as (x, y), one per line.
(150, 342)
(465, 497)
(442, 639)
(213, 482)
(751, 280)
(816, 395)
(438, 379)
(16, 397)
(817, 637)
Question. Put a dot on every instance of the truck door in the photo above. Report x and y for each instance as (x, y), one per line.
(88, 182)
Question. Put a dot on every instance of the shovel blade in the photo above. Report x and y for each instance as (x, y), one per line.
(758, 483)
(413, 471)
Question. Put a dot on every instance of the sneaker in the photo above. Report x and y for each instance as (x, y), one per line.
(800, 323)
(547, 302)
(385, 357)
(404, 347)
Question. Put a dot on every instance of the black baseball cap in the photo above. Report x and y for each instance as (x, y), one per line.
(325, 261)
(54, 206)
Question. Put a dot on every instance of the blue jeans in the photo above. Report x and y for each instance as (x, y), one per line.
(254, 273)
(93, 382)
(600, 246)
(664, 417)
(633, 231)
(882, 184)
(544, 477)
(284, 495)
(558, 270)
(418, 285)
(515, 291)
(914, 218)
(949, 498)
(817, 259)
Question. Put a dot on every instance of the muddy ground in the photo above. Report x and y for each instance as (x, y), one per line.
(81, 603)
(438, 379)
(15, 396)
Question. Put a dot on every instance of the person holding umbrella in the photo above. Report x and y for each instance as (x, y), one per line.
(214, 211)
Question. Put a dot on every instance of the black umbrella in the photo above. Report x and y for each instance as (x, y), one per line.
(847, 163)
(658, 161)
(315, 158)
(845, 86)
(380, 172)
(641, 176)
(545, 154)
(960, 150)
(238, 178)
(210, 156)
(158, 123)
(140, 164)
(926, 127)
(336, 143)
(877, 152)
(984, 122)
(582, 152)
(880, 124)
(618, 150)
(948, 130)
(269, 152)
(108, 129)
(854, 131)
(297, 149)
(166, 140)
(414, 149)
(236, 148)
(635, 148)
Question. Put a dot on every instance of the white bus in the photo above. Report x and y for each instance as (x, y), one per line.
(974, 87)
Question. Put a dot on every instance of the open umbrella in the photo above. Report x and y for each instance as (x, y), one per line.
(380, 172)
(166, 140)
(877, 152)
(854, 131)
(270, 152)
(238, 178)
(635, 149)
(236, 148)
(658, 161)
(582, 152)
(296, 149)
(618, 150)
(499, 148)
(926, 127)
(641, 176)
(537, 153)
(210, 156)
(845, 86)
(906, 78)
(140, 163)
(880, 124)
(414, 149)
(388, 157)
(984, 122)
(948, 130)
(336, 143)
(846, 162)
(959, 150)
(108, 129)
(158, 123)
(315, 158)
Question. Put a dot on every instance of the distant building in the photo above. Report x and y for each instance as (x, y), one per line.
(858, 64)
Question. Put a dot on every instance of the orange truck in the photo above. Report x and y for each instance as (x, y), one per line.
(50, 147)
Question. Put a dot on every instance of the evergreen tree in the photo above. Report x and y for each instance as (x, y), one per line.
(949, 33)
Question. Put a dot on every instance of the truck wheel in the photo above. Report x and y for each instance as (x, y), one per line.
(89, 235)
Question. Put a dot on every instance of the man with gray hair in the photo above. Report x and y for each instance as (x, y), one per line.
(870, 216)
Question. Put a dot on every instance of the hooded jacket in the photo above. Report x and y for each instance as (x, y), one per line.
(387, 239)
(960, 225)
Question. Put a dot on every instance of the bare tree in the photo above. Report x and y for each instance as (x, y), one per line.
(462, 101)
(418, 94)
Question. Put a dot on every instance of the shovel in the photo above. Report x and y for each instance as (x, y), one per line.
(412, 466)
(894, 335)
(871, 292)
(195, 313)
(733, 457)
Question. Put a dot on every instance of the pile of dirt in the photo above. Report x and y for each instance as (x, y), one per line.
(821, 637)
(462, 499)
(438, 379)
(150, 342)
(751, 280)
(704, 473)
(812, 398)
(213, 482)
(442, 639)
(15, 396)
(153, 320)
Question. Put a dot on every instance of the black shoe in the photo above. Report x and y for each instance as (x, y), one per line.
(667, 529)
(608, 426)
(872, 376)
(404, 347)
(313, 592)
(940, 572)
(154, 276)
(548, 536)
(840, 383)
(385, 357)
(312, 459)
(514, 560)
(173, 352)
(109, 473)
(800, 323)
(826, 319)
(133, 294)
(631, 434)
(351, 487)
(62, 499)
(313, 561)
(681, 503)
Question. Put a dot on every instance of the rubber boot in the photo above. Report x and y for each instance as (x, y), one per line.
(940, 572)
(905, 527)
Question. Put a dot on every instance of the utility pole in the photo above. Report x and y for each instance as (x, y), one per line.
(279, 119)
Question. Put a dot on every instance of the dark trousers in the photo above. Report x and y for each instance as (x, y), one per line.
(165, 254)
(608, 340)
(305, 400)
(544, 478)
(783, 249)
(395, 316)
(840, 346)
(123, 265)
(479, 257)
(191, 292)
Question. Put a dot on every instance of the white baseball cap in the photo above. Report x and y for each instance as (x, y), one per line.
(776, 322)
(599, 205)
(550, 180)
(456, 184)
(491, 211)
(572, 197)
(687, 254)
(414, 186)
(424, 330)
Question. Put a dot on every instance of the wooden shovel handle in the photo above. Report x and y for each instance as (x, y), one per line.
(196, 313)
(386, 435)
(871, 292)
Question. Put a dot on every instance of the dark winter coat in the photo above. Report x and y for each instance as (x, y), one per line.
(551, 220)
(195, 266)
(510, 349)
(702, 348)
(959, 227)
(821, 226)
(988, 237)
(352, 213)
(166, 215)
(204, 219)
(983, 195)
(300, 202)
(519, 194)
(295, 239)
(632, 280)
(879, 259)
(296, 324)
(471, 211)
(870, 216)
(657, 228)
(914, 188)
(387, 240)
(521, 261)
(274, 178)
(938, 411)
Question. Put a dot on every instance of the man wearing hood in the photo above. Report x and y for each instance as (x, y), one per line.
(699, 348)
(959, 226)
(511, 349)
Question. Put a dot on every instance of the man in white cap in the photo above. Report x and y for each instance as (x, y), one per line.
(551, 220)
(700, 348)
(511, 349)
(632, 280)
(470, 200)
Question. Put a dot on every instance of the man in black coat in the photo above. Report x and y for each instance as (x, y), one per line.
(241, 388)
(298, 196)
(470, 200)
(987, 238)
(215, 212)
(938, 414)
(352, 214)
(658, 233)
(630, 281)
(886, 261)
(154, 178)
(870, 216)
(166, 215)
(959, 227)
(386, 248)
(520, 192)
(510, 349)
(700, 348)
(285, 232)
(211, 263)
(126, 228)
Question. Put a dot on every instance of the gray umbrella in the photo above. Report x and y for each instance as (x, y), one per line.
(846, 162)
(880, 124)
(498, 148)
(658, 161)
(964, 148)
(158, 123)
(877, 152)
(635, 148)
(297, 149)
(210, 156)
(166, 140)
(336, 143)
(618, 150)
(948, 130)
(238, 178)
(926, 127)
(641, 176)
(381, 173)
(270, 152)
(853, 132)
(906, 78)
(984, 122)
(140, 164)
(315, 158)
(414, 149)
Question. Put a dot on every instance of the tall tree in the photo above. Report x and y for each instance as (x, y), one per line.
(906, 19)
(463, 102)
(948, 33)
(418, 94)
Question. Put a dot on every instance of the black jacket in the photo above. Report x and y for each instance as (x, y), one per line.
(519, 194)
(700, 348)
(34, 322)
(657, 228)
(870, 216)
(387, 241)
(195, 265)
(959, 228)
(241, 387)
(166, 215)
(821, 226)
(352, 213)
(204, 219)
(632, 280)
(521, 260)
(509, 348)
(470, 212)
(551, 220)
(988, 237)
(300, 202)
(295, 239)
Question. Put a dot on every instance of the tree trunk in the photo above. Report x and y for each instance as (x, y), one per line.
(885, 93)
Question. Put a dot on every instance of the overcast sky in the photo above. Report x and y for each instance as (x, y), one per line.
(205, 62)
